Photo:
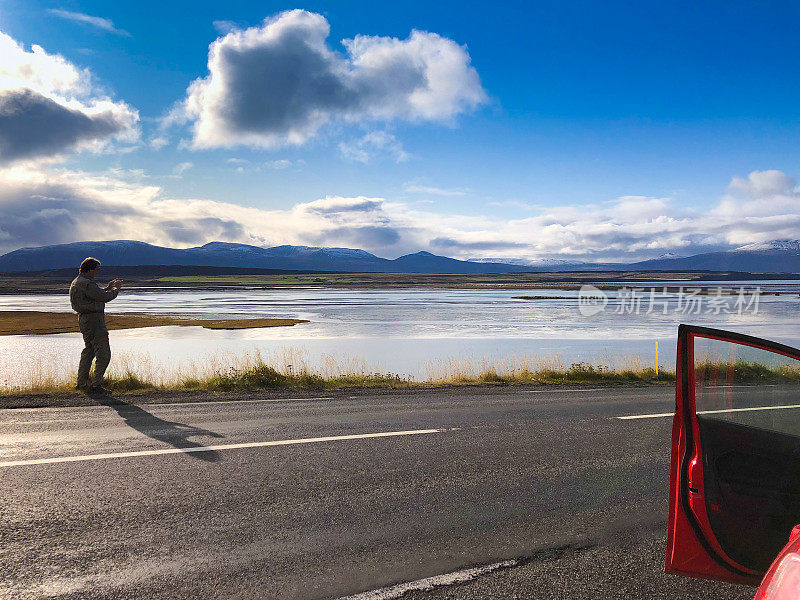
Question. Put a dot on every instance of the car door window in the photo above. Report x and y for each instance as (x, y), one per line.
(743, 384)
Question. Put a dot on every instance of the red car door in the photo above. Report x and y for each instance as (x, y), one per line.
(735, 466)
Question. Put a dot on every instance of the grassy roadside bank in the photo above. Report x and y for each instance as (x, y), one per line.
(262, 377)
(42, 323)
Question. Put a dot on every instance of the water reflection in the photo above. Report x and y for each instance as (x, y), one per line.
(401, 331)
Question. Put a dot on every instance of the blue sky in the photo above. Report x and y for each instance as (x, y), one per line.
(596, 131)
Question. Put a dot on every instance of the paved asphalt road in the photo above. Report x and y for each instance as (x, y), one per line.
(547, 477)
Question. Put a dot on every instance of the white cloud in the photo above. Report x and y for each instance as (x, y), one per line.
(181, 168)
(527, 206)
(279, 165)
(39, 71)
(372, 146)
(763, 184)
(761, 194)
(242, 165)
(413, 188)
(98, 22)
(158, 142)
(224, 26)
(41, 205)
(279, 83)
(48, 106)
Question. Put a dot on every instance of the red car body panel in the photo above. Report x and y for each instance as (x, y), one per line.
(776, 585)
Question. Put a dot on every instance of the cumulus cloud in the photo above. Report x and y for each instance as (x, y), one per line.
(762, 194)
(33, 125)
(279, 83)
(98, 22)
(43, 205)
(763, 184)
(48, 106)
(374, 145)
(40, 206)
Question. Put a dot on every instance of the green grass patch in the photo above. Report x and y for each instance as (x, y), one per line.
(262, 376)
(253, 373)
(576, 373)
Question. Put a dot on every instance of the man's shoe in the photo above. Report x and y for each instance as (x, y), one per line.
(97, 390)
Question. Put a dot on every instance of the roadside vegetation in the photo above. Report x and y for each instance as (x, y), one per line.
(227, 373)
(253, 372)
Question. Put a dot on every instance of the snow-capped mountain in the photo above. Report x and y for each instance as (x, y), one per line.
(528, 261)
(773, 246)
(552, 264)
(777, 256)
(669, 256)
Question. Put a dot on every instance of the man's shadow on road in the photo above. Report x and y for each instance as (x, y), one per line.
(175, 434)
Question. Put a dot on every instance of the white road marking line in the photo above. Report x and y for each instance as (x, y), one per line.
(712, 412)
(652, 416)
(561, 391)
(333, 438)
(429, 583)
(165, 404)
(761, 385)
(149, 405)
(233, 401)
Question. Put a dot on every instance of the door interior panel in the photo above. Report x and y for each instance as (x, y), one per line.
(751, 487)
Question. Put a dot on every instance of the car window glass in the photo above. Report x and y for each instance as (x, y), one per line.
(747, 385)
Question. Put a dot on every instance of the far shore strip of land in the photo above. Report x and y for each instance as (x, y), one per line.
(182, 278)
(14, 322)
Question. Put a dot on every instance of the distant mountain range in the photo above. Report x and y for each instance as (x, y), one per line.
(222, 254)
(779, 256)
(552, 264)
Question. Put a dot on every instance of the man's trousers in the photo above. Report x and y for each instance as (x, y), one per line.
(97, 348)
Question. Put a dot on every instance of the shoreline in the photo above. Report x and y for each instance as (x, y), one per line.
(143, 278)
(25, 322)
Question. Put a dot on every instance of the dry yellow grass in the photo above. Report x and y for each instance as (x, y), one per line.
(41, 323)
(292, 369)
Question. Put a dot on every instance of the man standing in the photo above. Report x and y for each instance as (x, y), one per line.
(89, 301)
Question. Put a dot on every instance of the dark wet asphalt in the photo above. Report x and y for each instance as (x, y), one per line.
(545, 476)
